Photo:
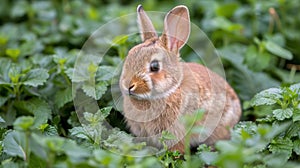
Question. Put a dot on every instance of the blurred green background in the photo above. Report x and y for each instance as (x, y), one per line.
(258, 42)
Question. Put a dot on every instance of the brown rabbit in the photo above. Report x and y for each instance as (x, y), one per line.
(158, 89)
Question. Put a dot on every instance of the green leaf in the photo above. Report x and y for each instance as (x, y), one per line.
(277, 50)
(255, 60)
(293, 130)
(2, 120)
(5, 65)
(104, 112)
(14, 144)
(36, 161)
(50, 131)
(295, 87)
(79, 132)
(246, 82)
(106, 159)
(121, 140)
(165, 135)
(9, 117)
(19, 9)
(11, 164)
(225, 24)
(15, 73)
(296, 115)
(75, 153)
(23, 123)
(3, 100)
(281, 114)
(36, 77)
(276, 159)
(119, 40)
(53, 143)
(95, 91)
(13, 53)
(209, 157)
(106, 73)
(267, 97)
(281, 145)
(226, 10)
(39, 108)
(62, 97)
(99, 116)
(297, 146)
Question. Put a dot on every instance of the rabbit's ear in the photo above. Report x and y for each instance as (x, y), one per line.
(176, 28)
(145, 25)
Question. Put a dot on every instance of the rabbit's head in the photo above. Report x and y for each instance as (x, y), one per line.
(152, 69)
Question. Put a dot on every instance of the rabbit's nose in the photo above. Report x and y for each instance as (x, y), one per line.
(131, 88)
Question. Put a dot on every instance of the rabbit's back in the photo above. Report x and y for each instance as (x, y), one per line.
(216, 97)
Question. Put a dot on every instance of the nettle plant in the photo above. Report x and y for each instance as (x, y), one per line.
(282, 107)
(273, 141)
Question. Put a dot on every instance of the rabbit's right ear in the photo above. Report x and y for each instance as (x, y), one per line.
(176, 28)
(145, 25)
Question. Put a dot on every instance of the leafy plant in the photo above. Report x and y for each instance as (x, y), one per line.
(41, 40)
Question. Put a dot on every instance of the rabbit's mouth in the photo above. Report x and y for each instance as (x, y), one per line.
(129, 91)
(139, 96)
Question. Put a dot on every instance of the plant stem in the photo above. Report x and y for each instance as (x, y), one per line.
(27, 152)
(187, 149)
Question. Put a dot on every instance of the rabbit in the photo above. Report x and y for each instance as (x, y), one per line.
(158, 89)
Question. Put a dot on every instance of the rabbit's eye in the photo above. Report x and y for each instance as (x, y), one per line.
(154, 66)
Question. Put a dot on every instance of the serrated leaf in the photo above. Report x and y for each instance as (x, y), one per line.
(281, 114)
(295, 87)
(293, 130)
(267, 97)
(14, 144)
(36, 77)
(99, 116)
(105, 73)
(277, 128)
(79, 132)
(95, 91)
(281, 145)
(70, 73)
(104, 112)
(39, 108)
(279, 51)
(297, 146)
(62, 97)
(51, 131)
(296, 115)
(120, 139)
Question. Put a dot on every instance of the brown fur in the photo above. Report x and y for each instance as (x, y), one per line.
(160, 99)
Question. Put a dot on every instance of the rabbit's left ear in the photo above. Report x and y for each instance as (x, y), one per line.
(176, 28)
(145, 25)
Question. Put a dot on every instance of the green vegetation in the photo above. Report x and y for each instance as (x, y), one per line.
(258, 42)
